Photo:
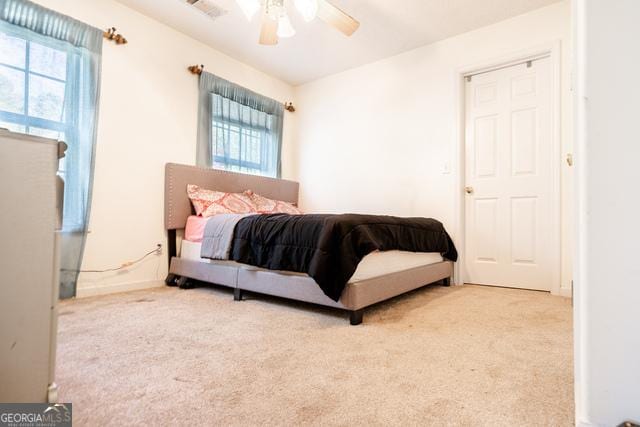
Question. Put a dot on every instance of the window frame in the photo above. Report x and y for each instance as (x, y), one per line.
(244, 166)
(63, 126)
(66, 128)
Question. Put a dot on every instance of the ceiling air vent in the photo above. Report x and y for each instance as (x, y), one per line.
(208, 7)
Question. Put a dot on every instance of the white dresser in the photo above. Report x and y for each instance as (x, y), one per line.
(30, 212)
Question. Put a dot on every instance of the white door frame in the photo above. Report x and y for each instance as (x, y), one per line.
(552, 50)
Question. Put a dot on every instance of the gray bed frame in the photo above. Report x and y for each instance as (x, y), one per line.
(356, 296)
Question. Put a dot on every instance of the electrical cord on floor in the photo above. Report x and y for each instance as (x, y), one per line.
(157, 250)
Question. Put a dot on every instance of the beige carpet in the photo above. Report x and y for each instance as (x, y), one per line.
(438, 356)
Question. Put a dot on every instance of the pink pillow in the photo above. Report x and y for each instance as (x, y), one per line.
(208, 202)
(262, 204)
(194, 230)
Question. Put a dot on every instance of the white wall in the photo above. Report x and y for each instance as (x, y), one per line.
(148, 116)
(607, 335)
(376, 138)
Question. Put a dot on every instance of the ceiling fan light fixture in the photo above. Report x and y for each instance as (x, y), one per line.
(307, 8)
(249, 7)
(276, 23)
(285, 29)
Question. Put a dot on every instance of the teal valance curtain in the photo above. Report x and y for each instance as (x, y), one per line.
(238, 129)
(48, 23)
(49, 86)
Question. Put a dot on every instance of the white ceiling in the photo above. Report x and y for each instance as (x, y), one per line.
(388, 27)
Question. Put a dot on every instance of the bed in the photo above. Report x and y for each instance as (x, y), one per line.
(378, 277)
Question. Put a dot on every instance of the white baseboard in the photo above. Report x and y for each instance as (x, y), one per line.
(562, 292)
(90, 291)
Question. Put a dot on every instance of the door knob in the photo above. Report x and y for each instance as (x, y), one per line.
(468, 190)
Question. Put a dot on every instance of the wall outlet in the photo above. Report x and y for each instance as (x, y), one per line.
(159, 250)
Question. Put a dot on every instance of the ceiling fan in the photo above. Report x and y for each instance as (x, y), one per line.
(276, 23)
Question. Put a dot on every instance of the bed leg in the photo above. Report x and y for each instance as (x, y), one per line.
(184, 283)
(170, 280)
(355, 317)
(237, 294)
(446, 282)
(171, 246)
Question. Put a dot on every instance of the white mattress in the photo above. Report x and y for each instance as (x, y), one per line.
(373, 265)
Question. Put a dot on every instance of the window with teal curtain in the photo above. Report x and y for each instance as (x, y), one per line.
(49, 86)
(239, 130)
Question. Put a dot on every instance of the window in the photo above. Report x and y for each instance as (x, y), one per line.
(34, 82)
(242, 139)
(244, 147)
(238, 130)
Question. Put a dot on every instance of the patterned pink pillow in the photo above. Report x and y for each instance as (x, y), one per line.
(263, 205)
(208, 202)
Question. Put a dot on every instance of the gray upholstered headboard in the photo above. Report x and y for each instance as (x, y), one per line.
(177, 206)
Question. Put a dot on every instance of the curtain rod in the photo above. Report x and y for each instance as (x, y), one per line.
(110, 34)
(198, 69)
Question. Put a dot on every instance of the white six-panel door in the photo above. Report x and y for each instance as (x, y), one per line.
(508, 177)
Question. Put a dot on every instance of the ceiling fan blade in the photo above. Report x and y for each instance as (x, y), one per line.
(337, 18)
(269, 31)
